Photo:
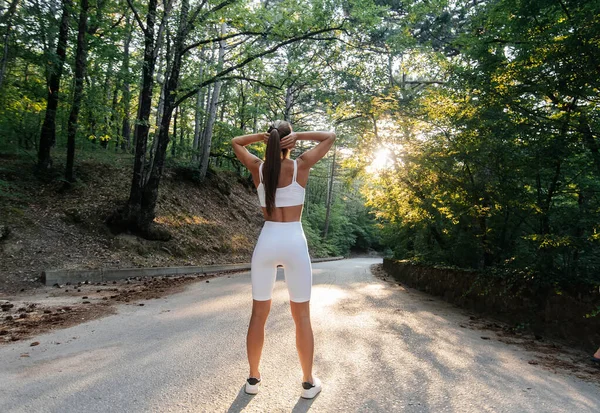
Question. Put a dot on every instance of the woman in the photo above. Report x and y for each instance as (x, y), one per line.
(280, 183)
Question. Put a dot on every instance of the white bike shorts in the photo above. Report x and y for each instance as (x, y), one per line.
(281, 243)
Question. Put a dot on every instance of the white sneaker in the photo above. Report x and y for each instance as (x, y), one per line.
(252, 385)
(309, 390)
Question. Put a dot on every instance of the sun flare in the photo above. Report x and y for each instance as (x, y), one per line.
(381, 161)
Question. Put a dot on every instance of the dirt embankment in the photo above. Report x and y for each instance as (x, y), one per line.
(213, 222)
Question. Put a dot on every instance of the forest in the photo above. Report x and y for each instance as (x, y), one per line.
(468, 130)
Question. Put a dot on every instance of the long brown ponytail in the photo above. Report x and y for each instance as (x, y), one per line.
(272, 166)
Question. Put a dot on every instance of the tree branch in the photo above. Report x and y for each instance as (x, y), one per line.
(195, 14)
(118, 22)
(562, 5)
(250, 80)
(214, 9)
(218, 39)
(137, 17)
(249, 59)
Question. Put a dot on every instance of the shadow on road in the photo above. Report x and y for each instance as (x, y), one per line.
(241, 401)
(303, 405)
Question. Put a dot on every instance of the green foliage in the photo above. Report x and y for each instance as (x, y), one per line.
(498, 169)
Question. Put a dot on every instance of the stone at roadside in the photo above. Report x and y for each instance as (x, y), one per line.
(4, 232)
(7, 306)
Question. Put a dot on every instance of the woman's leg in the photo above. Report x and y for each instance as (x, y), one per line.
(256, 334)
(304, 337)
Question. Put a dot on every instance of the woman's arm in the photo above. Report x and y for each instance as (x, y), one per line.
(312, 156)
(239, 143)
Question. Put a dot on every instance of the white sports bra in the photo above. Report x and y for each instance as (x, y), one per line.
(290, 195)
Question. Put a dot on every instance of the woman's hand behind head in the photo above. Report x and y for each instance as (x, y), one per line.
(289, 141)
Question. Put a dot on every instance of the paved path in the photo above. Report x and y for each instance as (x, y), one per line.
(379, 349)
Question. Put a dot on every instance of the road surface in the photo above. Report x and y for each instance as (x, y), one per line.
(378, 349)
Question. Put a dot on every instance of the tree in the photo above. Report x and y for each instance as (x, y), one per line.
(48, 135)
(80, 64)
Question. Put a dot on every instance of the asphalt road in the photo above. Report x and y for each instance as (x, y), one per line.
(379, 348)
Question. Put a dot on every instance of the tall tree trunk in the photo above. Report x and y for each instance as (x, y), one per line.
(242, 106)
(150, 189)
(329, 196)
(212, 113)
(255, 114)
(80, 62)
(126, 92)
(134, 203)
(114, 128)
(205, 111)
(48, 135)
(289, 102)
(174, 140)
(591, 142)
(197, 122)
(162, 82)
(8, 16)
(181, 123)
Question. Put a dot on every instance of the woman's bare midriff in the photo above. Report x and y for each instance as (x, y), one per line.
(284, 214)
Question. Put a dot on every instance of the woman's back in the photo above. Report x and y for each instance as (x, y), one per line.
(289, 195)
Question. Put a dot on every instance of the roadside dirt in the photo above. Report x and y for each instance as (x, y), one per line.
(552, 355)
(26, 315)
(213, 222)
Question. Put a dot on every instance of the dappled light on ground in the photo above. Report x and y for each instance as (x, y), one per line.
(180, 220)
(379, 348)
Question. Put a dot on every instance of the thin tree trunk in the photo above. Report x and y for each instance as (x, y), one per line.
(289, 102)
(48, 135)
(206, 109)
(242, 105)
(114, 129)
(181, 123)
(161, 81)
(208, 130)
(591, 143)
(197, 122)
(12, 9)
(174, 140)
(329, 196)
(221, 110)
(80, 62)
(126, 93)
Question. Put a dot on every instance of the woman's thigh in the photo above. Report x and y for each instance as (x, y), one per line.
(298, 273)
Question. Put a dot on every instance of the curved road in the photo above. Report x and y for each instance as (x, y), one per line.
(379, 349)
